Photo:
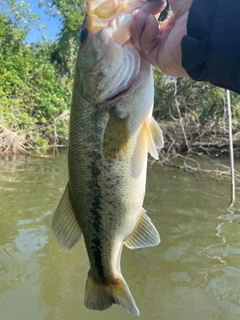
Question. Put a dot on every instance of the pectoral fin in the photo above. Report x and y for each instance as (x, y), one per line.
(155, 138)
(116, 138)
(144, 234)
(64, 224)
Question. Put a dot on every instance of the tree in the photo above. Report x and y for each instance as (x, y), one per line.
(33, 94)
(71, 13)
(193, 115)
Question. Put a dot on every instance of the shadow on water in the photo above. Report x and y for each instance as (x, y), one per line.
(193, 274)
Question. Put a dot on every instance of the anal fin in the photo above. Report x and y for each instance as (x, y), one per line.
(144, 234)
(64, 224)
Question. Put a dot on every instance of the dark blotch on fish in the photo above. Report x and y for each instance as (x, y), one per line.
(95, 210)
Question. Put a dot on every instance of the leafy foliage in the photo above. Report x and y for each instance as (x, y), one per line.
(193, 115)
(71, 13)
(32, 91)
(199, 101)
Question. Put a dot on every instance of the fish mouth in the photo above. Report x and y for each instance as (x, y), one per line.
(121, 93)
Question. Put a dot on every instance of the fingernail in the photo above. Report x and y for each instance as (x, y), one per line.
(135, 13)
(134, 17)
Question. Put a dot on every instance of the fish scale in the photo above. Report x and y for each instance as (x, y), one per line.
(111, 132)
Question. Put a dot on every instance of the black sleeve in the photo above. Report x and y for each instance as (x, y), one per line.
(211, 48)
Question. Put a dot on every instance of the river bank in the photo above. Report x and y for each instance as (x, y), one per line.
(180, 138)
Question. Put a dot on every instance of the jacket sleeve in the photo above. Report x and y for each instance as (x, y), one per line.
(211, 48)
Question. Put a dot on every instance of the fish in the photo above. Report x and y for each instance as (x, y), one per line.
(111, 132)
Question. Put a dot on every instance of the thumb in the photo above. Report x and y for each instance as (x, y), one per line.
(179, 7)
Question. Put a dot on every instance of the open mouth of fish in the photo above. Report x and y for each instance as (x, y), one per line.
(123, 92)
(115, 16)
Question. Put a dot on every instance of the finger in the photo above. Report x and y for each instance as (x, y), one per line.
(154, 7)
(149, 35)
(168, 22)
(180, 7)
(138, 24)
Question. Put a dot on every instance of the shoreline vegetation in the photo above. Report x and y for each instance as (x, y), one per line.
(192, 116)
(36, 83)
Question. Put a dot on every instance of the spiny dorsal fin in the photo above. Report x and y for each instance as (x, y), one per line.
(144, 234)
(64, 224)
(116, 137)
(100, 296)
(155, 138)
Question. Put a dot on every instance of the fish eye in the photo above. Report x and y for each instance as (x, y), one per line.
(83, 34)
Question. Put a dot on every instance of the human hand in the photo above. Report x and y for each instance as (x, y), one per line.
(162, 46)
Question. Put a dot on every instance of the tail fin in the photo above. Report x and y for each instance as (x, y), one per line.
(99, 296)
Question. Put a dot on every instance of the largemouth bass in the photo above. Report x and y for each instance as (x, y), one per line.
(111, 133)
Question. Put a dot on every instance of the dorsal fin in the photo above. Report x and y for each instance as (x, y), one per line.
(65, 226)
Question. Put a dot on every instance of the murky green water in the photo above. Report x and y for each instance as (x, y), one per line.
(193, 274)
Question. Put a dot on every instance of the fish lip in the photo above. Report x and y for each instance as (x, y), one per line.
(121, 93)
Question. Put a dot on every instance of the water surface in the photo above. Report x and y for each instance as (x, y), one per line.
(193, 274)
